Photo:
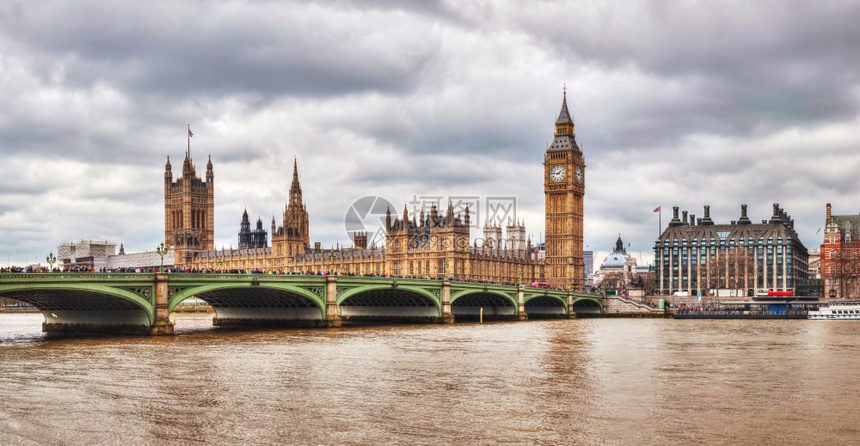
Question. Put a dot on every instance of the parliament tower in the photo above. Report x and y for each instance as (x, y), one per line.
(293, 237)
(189, 211)
(564, 189)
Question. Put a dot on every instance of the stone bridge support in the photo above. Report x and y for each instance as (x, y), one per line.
(570, 312)
(521, 303)
(332, 311)
(161, 324)
(447, 315)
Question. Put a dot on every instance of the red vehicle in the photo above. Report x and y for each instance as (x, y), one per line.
(780, 293)
(540, 285)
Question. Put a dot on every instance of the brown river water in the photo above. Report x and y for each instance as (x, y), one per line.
(559, 382)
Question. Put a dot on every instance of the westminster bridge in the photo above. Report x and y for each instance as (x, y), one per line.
(141, 303)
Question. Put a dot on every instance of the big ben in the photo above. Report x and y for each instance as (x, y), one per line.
(564, 189)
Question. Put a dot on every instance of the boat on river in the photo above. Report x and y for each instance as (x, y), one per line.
(773, 309)
(837, 311)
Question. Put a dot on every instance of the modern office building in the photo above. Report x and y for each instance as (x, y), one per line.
(741, 258)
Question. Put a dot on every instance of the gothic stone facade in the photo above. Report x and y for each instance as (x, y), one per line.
(564, 190)
(189, 211)
(432, 244)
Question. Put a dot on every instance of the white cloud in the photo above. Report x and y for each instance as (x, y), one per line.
(676, 104)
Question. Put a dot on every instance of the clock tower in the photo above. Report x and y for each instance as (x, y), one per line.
(564, 188)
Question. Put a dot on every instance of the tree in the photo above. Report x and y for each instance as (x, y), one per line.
(739, 269)
(613, 279)
(649, 282)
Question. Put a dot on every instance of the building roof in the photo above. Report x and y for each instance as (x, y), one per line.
(848, 224)
(743, 231)
(146, 259)
(615, 260)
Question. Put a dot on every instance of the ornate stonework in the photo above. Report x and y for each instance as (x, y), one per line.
(189, 211)
(564, 189)
(434, 244)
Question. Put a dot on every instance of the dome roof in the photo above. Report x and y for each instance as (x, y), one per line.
(615, 260)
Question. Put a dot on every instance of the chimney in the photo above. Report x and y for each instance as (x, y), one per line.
(317, 246)
(684, 219)
(777, 215)
(692, 219)
(707, 219)
(744, 220)
(828, 215)
(675, 220)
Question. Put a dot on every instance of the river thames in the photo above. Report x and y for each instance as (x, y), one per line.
(587, 381)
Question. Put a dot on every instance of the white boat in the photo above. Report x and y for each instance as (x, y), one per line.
(837, 311)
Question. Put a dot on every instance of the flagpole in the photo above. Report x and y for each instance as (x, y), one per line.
(188, 135)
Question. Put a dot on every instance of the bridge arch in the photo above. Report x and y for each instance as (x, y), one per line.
(388, 302)
(545, 304)
(586, 306)
(262, 301)
(468, 304)
(92, 303)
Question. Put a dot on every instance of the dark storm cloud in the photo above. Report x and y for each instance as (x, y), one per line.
(675, 103)
(744, 66)
(213, 49)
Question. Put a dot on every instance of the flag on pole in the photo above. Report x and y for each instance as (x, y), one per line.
(657, 209)
(189, 132)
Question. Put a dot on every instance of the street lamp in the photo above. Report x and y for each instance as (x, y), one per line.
(331, 258)
(445, 270)
(161, 250)
(220, 264)
(51, 259)
(521, 277)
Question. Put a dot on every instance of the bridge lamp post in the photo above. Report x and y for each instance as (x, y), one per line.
(445, 270)
(161, 250)
(331, 258)
(51, 259)
(220, 264)
(521, 277)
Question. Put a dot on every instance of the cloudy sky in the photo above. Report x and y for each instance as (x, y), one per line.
(679, 103)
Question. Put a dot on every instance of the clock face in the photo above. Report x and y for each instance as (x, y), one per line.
(557, 173)
(578, 174)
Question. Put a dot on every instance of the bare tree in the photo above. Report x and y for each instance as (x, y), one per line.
(649, 282)
(613, 280)
(739, 269)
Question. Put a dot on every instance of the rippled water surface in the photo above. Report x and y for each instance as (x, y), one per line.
(590, 381)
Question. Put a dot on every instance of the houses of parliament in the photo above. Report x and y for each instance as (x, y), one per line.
(433, 244)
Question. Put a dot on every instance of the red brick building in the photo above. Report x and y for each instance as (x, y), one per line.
(840, 256)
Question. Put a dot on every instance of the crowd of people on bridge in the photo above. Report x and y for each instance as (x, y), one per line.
(150, 270)
(22, 269)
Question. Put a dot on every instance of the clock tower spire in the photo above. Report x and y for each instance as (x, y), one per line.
(564, 189)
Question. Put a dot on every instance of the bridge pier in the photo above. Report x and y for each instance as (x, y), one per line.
(521, 304)
(332, 311)
(447, 315)
(570, 313)
(161, 324)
